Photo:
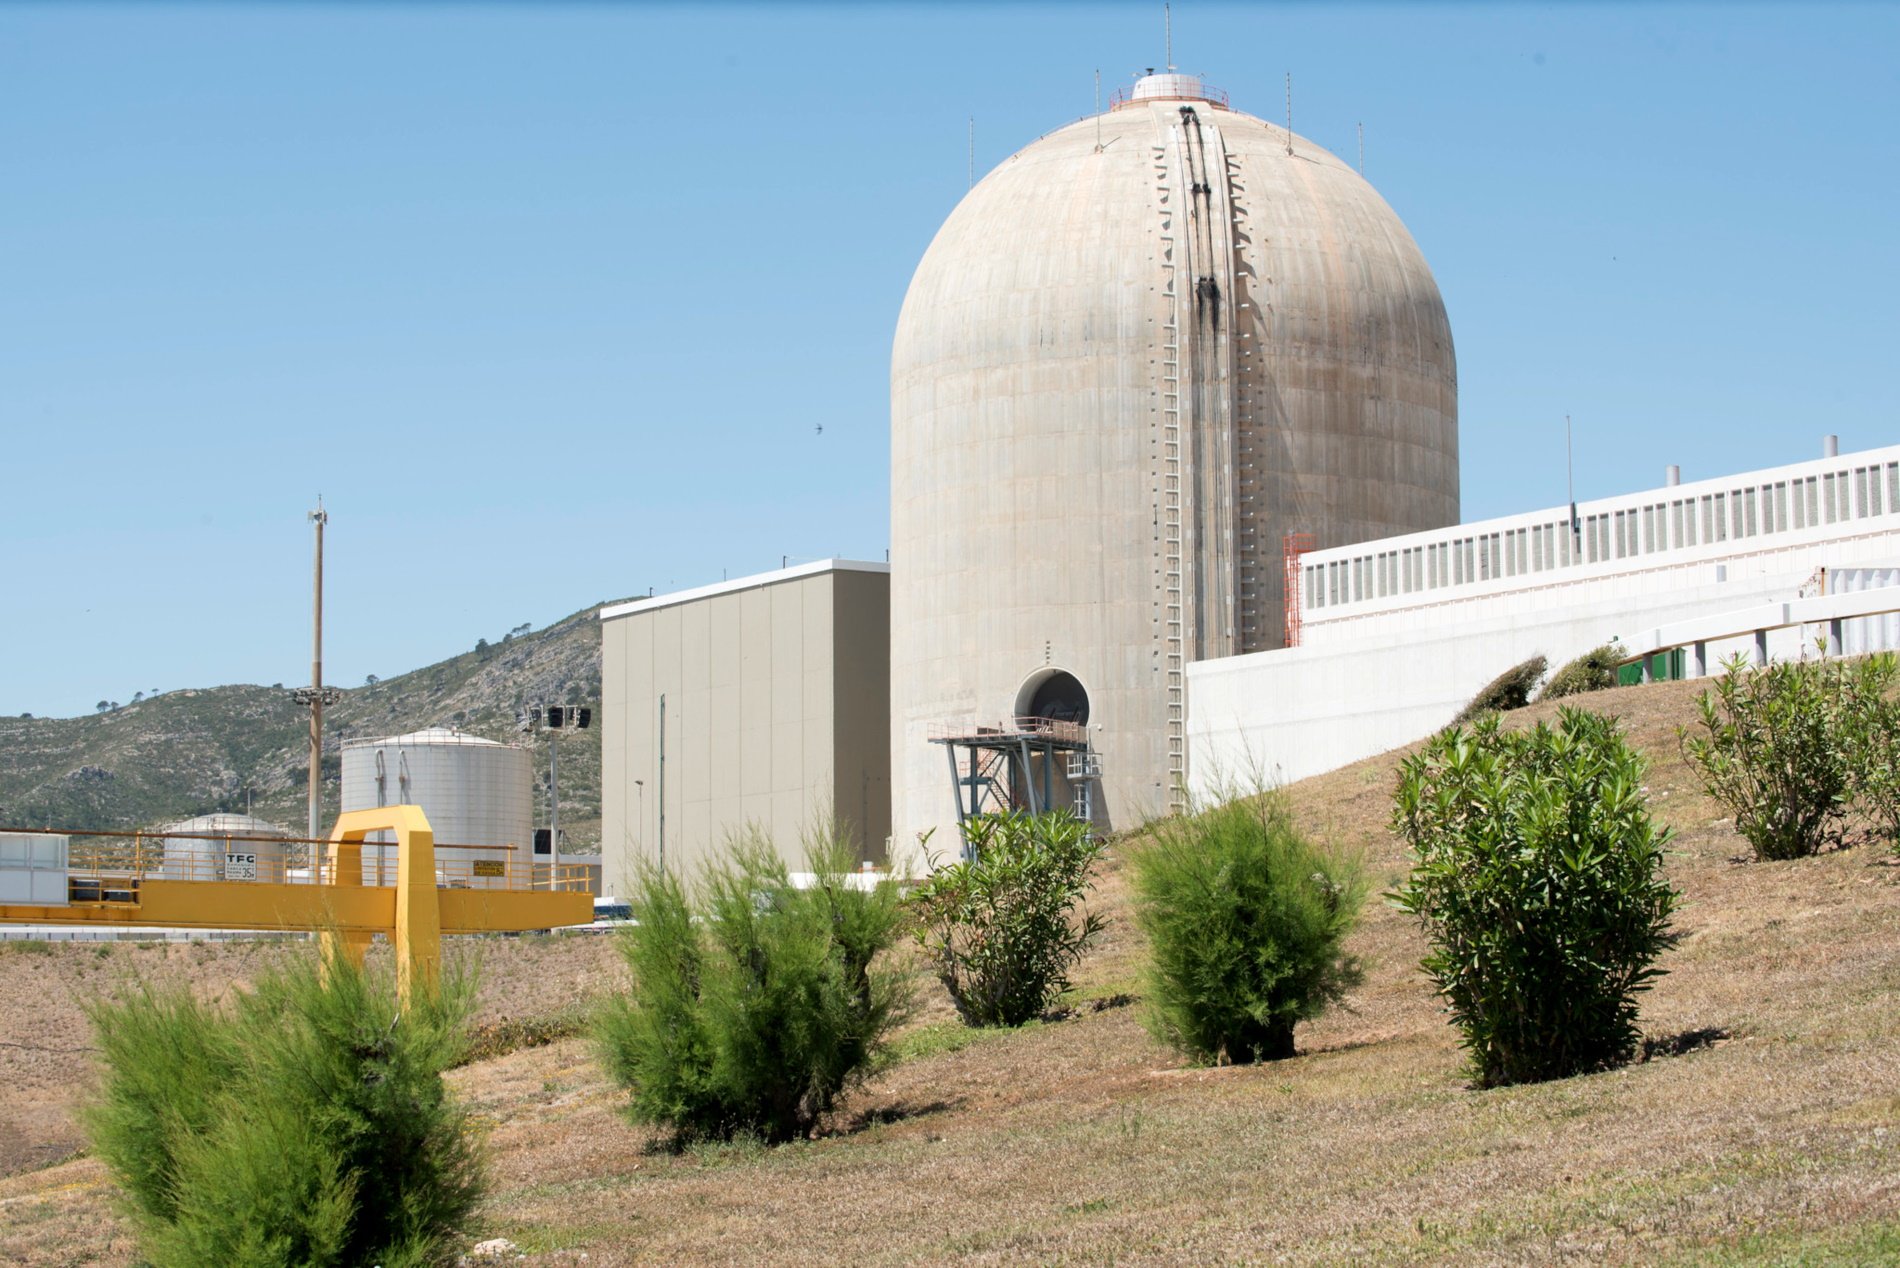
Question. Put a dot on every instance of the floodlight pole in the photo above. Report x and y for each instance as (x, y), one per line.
(554, 804)
(319, 518)
(559, 720)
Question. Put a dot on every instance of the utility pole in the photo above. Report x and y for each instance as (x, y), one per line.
(316, 695)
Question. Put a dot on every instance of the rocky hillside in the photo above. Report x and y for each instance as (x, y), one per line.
(191, 752)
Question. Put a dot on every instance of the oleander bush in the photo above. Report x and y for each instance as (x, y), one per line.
(304, 1123)
(1784, 748)
(1538, 878)
(1001, 927)
(1877, 762)
(1246, 919)
(754, 1003)
(1510, 690)
(1595, 670)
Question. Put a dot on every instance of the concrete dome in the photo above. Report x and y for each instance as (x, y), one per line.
(1137, 354)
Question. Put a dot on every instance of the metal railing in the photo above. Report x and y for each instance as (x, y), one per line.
(1062, 732)
(1201, 91)
(106, 866)
(1831, 611)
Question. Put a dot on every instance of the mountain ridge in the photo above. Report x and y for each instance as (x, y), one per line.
(239, 747)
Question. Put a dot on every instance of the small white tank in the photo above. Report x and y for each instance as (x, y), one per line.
(226, 847)
(477, 793)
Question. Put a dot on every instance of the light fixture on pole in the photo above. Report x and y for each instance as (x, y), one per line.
(639, 843)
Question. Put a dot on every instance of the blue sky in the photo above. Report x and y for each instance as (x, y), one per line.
(549, 302)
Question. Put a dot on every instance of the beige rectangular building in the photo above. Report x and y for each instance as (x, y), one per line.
(760, 701)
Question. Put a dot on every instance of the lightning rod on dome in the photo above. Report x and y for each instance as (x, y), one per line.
(1289, 114)
(1362, 148)
(1098, 109)
(971, 160)
(1167, 26)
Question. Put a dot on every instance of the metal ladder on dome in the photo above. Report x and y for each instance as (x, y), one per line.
(1172, 570)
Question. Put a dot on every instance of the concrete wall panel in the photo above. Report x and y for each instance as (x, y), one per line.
(754, 674)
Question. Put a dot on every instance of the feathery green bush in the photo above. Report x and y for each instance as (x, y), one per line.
(305, 1123)
(1246, 919)
(1782, 747)
(753, 1003)
(999, 926)
(1539, 882)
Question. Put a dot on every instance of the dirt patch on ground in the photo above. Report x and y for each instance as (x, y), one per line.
(45, 1042)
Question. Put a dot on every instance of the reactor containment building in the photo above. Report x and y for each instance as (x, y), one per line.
(1140, 355)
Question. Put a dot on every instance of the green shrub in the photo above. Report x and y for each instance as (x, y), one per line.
(307, 1123)
(1539, 882)
(511, 1034)
(165, 1059)
(1780, 746)
(1595, 670)
(1509, 690)
(1000, 927)
(1876, 737)
(753, 1004)
(1246, 919)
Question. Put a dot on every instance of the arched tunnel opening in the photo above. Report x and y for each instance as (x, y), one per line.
(1055, 694)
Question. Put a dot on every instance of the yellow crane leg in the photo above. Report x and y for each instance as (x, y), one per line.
(418, 932)
(343, 866)
(415, 927)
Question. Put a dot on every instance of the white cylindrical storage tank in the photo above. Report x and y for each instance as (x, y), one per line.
(226, 847)
(478, 795)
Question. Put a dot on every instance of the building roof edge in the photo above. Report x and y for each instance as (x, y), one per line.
(755, 581)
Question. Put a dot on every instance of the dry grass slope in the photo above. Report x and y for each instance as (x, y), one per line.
(1080, 1140)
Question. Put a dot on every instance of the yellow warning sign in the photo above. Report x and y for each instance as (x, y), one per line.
(489, 867)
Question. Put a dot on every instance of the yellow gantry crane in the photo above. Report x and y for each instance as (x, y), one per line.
(331, 899)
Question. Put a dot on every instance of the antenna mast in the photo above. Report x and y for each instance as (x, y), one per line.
(1570, 487)
(1289, 114)
(1098, 109)
(1167, 25)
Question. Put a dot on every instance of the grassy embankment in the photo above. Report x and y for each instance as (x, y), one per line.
(1773, 1137)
